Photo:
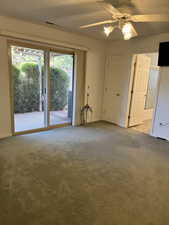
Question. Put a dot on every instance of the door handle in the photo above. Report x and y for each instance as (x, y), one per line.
(116, 94)
(43, 98)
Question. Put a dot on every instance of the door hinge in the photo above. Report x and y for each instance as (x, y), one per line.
(129, 117)
(132, 92)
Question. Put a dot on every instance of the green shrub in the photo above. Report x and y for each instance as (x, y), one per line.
(59, 89)
(27, 88)
(31, 87)
(17, 89)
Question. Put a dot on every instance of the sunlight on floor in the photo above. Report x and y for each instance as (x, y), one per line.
(143, 128)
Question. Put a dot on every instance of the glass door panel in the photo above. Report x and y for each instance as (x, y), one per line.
(61, 88)
(28, 88)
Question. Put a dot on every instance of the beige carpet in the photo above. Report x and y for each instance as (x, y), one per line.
(94, 175)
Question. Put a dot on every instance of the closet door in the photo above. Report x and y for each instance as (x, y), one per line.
(114, 89)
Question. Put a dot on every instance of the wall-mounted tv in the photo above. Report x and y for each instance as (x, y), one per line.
(163, 58)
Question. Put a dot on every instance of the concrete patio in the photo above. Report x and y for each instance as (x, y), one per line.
(35, 120)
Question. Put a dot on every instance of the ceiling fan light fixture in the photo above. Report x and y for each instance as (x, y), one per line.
(128, 31)
(127, 36)
(108, 30)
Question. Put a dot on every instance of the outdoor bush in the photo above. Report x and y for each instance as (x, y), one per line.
(30, 87)
(17, 88)
(27, 88)
(59, 89)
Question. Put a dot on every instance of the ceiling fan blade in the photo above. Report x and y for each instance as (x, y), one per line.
(109, 8)
(97, 24)
(150, 18)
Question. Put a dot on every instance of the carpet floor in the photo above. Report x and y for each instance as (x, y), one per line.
(94, 175)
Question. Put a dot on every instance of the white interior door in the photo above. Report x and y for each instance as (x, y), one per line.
(139, 90)
(117, 71)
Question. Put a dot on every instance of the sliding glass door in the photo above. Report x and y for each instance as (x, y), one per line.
(42, 85)
(61, 88)
(28, 88)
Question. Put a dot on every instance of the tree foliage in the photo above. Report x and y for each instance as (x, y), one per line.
(27, 88)
(30, 87)
(59, 89)
(17, 88)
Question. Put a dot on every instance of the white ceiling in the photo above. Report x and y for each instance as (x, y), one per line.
(70, 14)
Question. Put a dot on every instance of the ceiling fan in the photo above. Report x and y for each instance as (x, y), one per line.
(123, 21)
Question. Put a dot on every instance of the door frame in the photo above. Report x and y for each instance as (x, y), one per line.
(49, 86)
(131, 85)
(47, 51)
(132, 79)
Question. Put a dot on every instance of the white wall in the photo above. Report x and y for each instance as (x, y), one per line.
(125, 50)
(154, 58)
(94, 64)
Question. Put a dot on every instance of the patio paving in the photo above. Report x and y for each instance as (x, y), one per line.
(35, 120)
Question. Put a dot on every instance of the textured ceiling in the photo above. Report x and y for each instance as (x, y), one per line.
(70, 14)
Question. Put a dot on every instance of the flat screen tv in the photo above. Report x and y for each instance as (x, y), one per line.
(163, 58)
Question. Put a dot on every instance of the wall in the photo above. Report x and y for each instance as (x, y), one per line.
(94, 63)
(125, 51)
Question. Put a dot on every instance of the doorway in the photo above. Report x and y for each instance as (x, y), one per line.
(143, 92)
(42, 88)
